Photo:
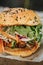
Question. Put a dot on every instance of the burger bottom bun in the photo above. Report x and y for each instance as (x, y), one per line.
(23, 52)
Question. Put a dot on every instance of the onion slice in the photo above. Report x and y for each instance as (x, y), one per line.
(4, 38)
(18, 33)
(26, 39)
(22, 38)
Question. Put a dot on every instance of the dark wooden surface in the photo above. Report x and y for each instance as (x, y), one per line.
(12, 3)
(5, 61)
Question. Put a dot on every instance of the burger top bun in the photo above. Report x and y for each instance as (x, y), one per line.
(18, 16)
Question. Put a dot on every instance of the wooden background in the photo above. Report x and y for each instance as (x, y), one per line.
(32, 4)
(4, 61)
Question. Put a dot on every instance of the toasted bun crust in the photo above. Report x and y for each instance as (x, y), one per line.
(18, 16)
(21, 52)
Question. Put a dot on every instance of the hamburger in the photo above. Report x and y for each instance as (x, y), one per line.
(20, 31)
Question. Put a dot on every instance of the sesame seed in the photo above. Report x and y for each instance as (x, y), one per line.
(24, 16)
(20, 17)
(35, 17)
(13, 12)
(4, 20)
(24, 9)
(36, 21)
(21, 10)
(16, 11)
(16, 19)
(6, 11)
(33, 21)
(30, 19)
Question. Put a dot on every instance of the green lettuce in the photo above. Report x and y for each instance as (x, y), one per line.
(29, 31)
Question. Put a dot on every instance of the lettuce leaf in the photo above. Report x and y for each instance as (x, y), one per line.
(29, 31)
